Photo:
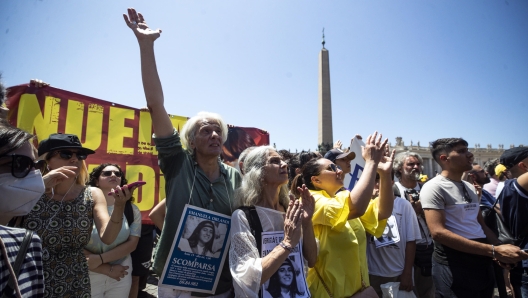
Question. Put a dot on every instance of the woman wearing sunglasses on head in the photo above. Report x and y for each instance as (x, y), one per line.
(21, 186)
(111, 265)
(341, 219)
(63, 217)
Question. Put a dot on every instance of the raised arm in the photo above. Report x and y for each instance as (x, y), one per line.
(386, 195)
(360, 195)
(149, 72)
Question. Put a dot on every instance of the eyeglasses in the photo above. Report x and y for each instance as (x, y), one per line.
(118, 174)
(333, 167)
(21, 165)
(68, 154)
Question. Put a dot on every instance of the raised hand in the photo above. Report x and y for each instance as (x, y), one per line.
(308, 204)
(121, 194)
(136, 22)
(292, 223)
(338, 144)
(57, 176)
(374, 149)
(385, 164)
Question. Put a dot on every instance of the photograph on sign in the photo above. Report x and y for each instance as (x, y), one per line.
(289, 280)
(198, 251)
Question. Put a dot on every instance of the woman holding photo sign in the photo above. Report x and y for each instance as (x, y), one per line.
(264, 194)
(341, 219)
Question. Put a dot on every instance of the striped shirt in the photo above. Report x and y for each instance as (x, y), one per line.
(31, 276)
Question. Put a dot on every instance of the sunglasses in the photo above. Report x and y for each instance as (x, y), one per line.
(21, 165)
(68, 154)
(333, 167)
(118, 174)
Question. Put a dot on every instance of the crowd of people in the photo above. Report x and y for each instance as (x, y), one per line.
(65, 232)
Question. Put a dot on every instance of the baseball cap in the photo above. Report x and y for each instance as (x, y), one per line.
(334, 154)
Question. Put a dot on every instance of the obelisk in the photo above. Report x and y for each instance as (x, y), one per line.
(325, 100)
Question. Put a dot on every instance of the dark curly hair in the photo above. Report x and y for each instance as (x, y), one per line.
(96, 173)
(195, 236)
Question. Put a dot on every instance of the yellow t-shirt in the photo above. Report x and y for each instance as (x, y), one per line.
(342, 244)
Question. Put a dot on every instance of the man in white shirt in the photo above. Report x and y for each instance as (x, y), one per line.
(407, 167)
(391, 257)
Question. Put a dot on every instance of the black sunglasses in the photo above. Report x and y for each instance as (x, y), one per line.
(68, 154)
(333, 167)
(21, 165)
(118, 174)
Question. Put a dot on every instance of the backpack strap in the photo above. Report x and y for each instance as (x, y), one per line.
(129, 212)
(254, 224)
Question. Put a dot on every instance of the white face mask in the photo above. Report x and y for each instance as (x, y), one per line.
(19, 195)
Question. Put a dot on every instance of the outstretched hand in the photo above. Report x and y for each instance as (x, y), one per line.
(308, 204)
(374, 150)
(385, 164)
(292, 223)
(136, 22)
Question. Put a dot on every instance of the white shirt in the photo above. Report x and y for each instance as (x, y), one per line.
(389, 261)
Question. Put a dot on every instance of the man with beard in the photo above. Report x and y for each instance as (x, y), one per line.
(479, 176)
(464, 245)
(407, 167)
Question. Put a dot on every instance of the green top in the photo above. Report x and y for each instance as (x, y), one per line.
(178, 167)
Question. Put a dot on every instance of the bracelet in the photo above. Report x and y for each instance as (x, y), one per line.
(287, 247)
(493, 251)
(102, 262)
(116, 222)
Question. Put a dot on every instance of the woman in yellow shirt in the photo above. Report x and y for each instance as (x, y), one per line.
(341, 219)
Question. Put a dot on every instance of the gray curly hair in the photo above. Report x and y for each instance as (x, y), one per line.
(399, 160)
(188, 131)
(252, 184)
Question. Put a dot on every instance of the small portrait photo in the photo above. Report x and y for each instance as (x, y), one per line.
(390, 236)
(202, 237)
(288, 281)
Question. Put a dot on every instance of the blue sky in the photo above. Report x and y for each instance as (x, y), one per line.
(421, 70)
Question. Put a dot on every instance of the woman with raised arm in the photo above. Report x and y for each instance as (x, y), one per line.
(64, 215)
(264, 191)
(111, 265)
(341, 219)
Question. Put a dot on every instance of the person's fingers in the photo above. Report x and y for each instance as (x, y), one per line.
(126, 19)
(288, 211)
(374, 137)
(385, 143)
(378, 140)
(141, 19)
(369, 139)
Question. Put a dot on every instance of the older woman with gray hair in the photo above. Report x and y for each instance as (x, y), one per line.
(264, 190)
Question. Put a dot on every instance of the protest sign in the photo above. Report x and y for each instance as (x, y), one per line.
(357, 164)
(290, 276)
(198, 251)
(118, 134)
